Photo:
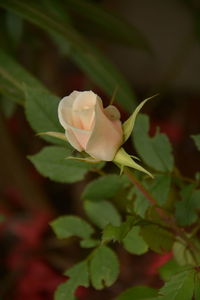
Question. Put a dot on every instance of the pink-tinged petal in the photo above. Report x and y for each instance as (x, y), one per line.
(83, 110)
(84, 99)
(82, 136)
(65, 109)
(106, 137)
(73, 140)
(83, 119)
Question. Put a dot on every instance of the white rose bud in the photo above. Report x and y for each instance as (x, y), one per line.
(89, 127)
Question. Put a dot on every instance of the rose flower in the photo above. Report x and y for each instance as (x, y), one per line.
(89, 127)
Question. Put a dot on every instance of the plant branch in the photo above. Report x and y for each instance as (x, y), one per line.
(169, 220)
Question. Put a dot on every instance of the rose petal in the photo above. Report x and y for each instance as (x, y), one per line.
(73, 140)
(65, 109)
(83, 110)
(82, 136)
(106, 136)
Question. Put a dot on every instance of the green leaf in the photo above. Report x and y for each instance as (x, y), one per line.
(57, 9)
(197, 287)
(134, 243)
(183, 255)
(129, 124)
(14, 26)
(85, 55)
(157, 238)
(68, 226)
(113, 26)
(51, 162)
(79, 276)
(104, 187)
(196, 139)
(141, 204)
(138, 293)
(111, 233)
(13, 77)
(7, 107)
(41, 110)
(104, 268)
(179, 287)
(160, 188)
(169, 269)
(89, 243)
(118, 233)
(102, 213)
(156, 151)
(187, 209)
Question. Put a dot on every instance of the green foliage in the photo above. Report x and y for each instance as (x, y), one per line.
(141, 204)
(14, 26)
(156, 151)
(7, 107)
(182, 253)
(197, 286)
(99, 20)
(112, 233)
(104, 267)
(41, 112)
(104, 187)
(160, 188)
(52, 162)
(118, 233)
(89, 243)
(179, 287)
(196, 139)
(57, 9)
(169, 269)
(138, 293)
(68, 226)
(101, 267)
(86, 56)
(79, 275)
(102, 213)
(157, 238)
(186, 209)
(13, 77)
(134, 243)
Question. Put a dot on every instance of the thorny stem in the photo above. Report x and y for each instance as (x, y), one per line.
(169, 220)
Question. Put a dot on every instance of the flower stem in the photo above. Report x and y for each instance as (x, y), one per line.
(169, 220)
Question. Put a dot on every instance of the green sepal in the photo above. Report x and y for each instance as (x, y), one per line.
(130, 122)
(58, 135)
(123, 159)
(88, 159)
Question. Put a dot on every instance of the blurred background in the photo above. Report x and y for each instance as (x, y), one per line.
(137, 47)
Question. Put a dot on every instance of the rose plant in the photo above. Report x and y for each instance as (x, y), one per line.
(149, 206)
(154, 217)
(134, 210)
